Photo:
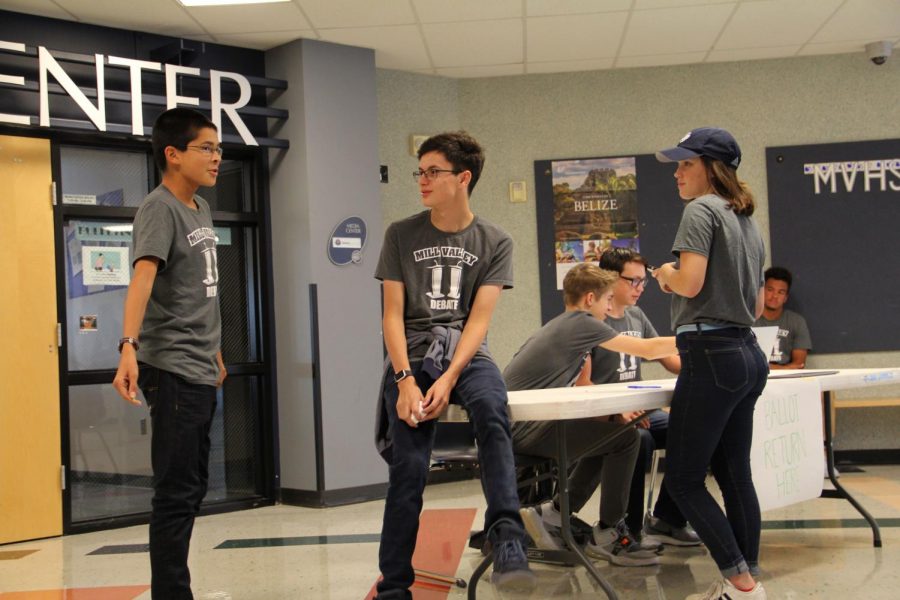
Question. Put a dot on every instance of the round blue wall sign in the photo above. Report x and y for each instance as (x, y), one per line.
(345, 245)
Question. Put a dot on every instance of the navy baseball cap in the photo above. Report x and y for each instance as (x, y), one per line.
(711, 142)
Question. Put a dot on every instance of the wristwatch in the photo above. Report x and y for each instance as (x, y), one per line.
(401, 375)
(129, 340)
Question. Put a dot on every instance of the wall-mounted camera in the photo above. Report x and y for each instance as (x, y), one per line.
(879, 52)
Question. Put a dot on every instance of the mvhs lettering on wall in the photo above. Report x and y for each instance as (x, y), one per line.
(848, 176)
(48, 66)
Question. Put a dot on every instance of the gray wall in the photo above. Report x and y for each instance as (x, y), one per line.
(521, 119)
(329, 173)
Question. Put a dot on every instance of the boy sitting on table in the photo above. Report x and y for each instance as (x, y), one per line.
(556, 356)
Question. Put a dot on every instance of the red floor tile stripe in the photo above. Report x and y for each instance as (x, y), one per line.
(443, 536)
(128, 592)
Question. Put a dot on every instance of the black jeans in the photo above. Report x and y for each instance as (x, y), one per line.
(665, 508)
(723, 373)
(481, 391)
(181, 414)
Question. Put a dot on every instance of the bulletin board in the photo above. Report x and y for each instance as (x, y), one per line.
(629, 201)
(834, 211)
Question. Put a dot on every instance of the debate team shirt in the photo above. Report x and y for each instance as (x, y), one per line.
(442, 271)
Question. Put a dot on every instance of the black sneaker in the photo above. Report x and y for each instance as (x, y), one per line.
(511, 570)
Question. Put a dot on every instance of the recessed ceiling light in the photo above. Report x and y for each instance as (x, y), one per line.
(226, 2)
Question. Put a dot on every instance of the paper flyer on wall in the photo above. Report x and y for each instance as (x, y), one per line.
(594, 208)
(105, 265)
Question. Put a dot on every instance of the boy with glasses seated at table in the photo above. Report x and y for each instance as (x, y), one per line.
(557, 355)
(666, 524)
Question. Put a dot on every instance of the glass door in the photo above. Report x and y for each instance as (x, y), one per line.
(107, 439)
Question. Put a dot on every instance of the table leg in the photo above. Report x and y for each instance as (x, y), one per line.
(564, 512)
(839, 491)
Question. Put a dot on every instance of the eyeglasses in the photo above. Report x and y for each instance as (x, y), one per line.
(207, 149)
(432, 173)
(635, 282)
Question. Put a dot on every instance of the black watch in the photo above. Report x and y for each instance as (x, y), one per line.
(128, 340)
(401, 375)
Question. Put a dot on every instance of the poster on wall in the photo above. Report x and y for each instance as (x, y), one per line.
(594, 208)
(834, 208)
(105, 265)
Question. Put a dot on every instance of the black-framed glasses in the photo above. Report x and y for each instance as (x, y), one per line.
(432, 173)
(207, 149)
(635, 282)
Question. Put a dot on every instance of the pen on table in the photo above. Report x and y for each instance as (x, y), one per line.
(644, 387)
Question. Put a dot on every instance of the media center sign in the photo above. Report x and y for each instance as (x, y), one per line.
(49, 66)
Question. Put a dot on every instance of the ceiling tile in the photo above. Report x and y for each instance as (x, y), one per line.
(41, 8)
(481, 71)
(574, 37)
(674, 30)
(733, 54)
(357, 13)
(396, 47)
(441, 11)
(544, 8)
(566, 66)
(660, 60)
(645, 4)
(282, 16)
(263, 40)
(476, 43)
(867, 19)
(776, 23)
(167, 18)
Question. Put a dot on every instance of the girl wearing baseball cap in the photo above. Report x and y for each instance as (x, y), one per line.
(716, 288)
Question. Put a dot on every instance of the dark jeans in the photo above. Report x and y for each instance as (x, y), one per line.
(481, 391)
(608, 466)
(181, 414)
(665, 508)
(723, 372)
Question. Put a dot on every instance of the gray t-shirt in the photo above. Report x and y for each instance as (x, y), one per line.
(552, 357)
(792, 333)
(442, 271)
(181, 332)
(612, 367)
(734, 272)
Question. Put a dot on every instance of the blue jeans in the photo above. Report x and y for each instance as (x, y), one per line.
(665, 508)
(481, 391)
(723, 373)
(181, 414)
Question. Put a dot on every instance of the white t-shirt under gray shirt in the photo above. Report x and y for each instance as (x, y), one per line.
(734, 274)
(792, 334)
(181, 332)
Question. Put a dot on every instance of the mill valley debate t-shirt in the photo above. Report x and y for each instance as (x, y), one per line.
(442, 271)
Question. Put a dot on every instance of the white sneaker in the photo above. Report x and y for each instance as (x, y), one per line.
(617, 546)
(724, 590)
(539, 529)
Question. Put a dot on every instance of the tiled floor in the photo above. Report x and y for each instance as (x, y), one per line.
(818, 549)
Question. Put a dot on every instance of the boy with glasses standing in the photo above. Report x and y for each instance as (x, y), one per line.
(443, 270)
(172, 325)
(666, 524)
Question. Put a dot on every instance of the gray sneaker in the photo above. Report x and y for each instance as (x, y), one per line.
(674, 536)
(539, 531)
(511, 572)
(617, 546)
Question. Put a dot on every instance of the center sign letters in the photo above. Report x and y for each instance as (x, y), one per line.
(48, 65)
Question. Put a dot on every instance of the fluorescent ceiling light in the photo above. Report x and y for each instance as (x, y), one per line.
(226, 2)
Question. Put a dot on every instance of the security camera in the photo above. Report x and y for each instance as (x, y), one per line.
(878, 52)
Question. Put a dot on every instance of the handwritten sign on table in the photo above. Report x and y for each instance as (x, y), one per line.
(787, 457)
